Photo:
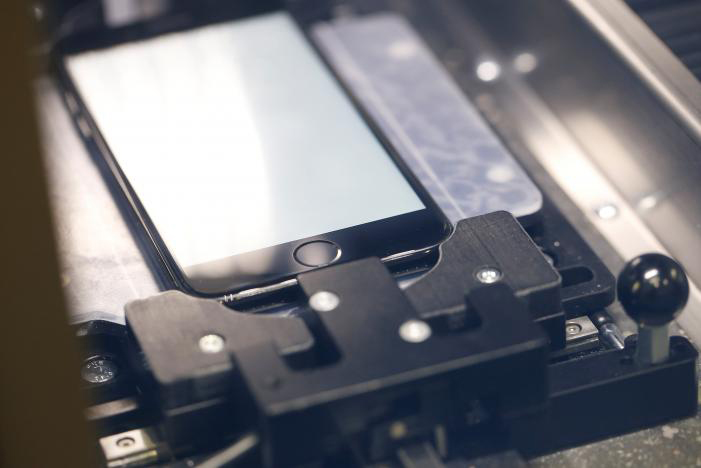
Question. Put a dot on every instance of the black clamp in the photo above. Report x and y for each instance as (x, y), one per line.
(457, 357)
(463, 333)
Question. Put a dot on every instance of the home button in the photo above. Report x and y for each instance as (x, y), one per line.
(317, 253)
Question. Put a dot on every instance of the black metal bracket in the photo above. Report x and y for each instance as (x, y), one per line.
(456, 353)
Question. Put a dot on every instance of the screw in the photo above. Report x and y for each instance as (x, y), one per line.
(99, 369)
(607, 211)
(398, 430)
(415, 331)
(324, 301)
(573, 329)
(211, 344)
(125, 442)
(488, 275)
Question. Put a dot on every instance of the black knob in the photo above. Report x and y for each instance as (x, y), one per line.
(653, 289)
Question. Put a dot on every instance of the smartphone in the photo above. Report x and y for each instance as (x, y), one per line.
(243, 157)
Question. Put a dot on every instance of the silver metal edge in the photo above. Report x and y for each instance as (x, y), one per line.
(648, 57)
(562, 157)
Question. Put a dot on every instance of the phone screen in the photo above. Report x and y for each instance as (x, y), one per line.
(236, 138)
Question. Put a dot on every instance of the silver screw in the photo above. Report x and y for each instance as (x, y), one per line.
(324, 301)
(488, 275)
(211, 343)
(99, 369)
(607, 211)
(572, 329)
(415, 331)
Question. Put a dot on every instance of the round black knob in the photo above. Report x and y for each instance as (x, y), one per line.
(653, 289)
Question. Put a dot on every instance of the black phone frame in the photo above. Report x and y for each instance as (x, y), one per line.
(411, 233)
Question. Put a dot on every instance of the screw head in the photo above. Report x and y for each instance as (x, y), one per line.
(324, 301)
(99, 369)
(572, 329)
(415, 331)
(488, 275)
(211, 344)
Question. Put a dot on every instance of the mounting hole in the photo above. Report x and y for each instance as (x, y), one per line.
(125, 442)
(573, 329)
(607, 211)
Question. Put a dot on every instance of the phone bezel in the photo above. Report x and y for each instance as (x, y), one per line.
(414, 231)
